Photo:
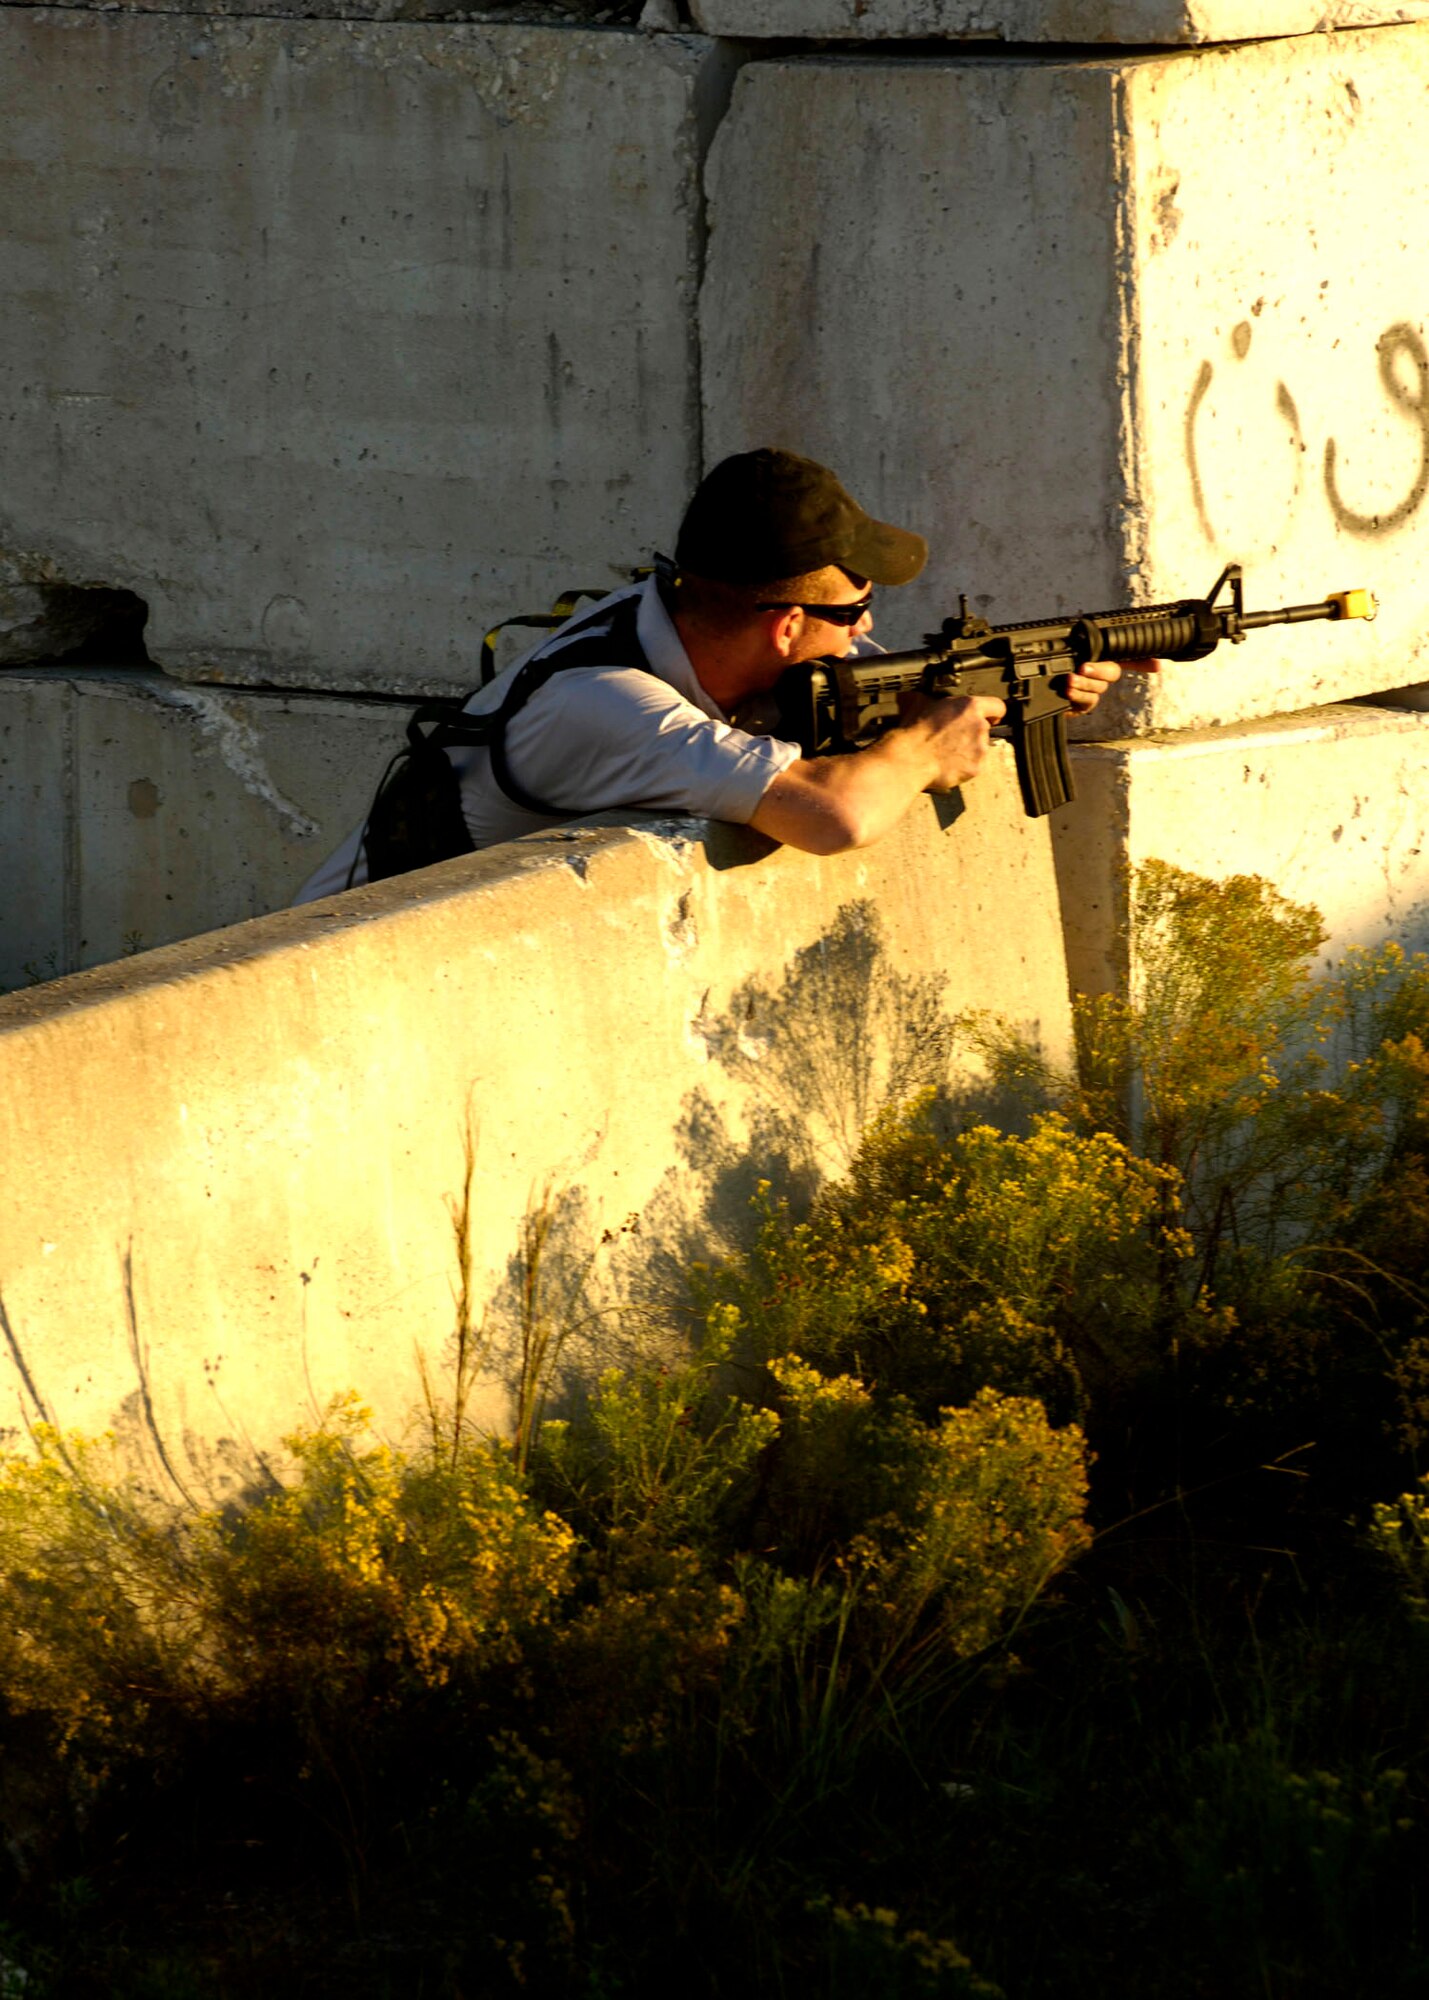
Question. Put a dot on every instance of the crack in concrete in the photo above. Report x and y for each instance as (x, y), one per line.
(236, 741)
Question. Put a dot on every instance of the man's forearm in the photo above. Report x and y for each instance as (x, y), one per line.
(826, 805)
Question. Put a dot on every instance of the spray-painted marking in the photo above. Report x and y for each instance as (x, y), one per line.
(1396, 344)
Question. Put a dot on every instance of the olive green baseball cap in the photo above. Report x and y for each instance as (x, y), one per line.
(766, 514)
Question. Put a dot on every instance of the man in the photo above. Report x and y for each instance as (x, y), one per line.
(630, 704)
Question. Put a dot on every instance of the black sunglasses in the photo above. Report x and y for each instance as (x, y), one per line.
(835, 614)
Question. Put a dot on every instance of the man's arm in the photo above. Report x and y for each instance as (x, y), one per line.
(826, 805)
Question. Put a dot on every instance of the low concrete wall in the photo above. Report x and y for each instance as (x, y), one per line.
(229, 1164)
(539, 13)
(1097, 326)
(337, 341)
(1126, 21)
(1331, 806)
(136, 810)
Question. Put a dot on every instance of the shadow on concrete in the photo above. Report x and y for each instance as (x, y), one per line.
(818, 1055)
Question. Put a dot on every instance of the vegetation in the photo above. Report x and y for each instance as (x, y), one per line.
(1021, 1587)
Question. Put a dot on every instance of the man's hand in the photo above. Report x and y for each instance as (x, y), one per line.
(1088, 684)
(956, 730)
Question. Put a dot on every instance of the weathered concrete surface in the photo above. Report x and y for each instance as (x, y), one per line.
(1096, 326)
(1331, 806)
(136, 810)
(560, 13)
(265, 1126)
(337, 341)
(1125, 21)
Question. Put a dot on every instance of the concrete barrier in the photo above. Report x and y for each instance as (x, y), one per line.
(1331, 806)
(553, 13)
(229, 1164)
(136, 810)
(337, 341)
(1129, 22)
(1099, 325)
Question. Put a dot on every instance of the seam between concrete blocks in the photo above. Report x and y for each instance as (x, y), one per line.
(712, 94)
(1131, 506)
(72, 860)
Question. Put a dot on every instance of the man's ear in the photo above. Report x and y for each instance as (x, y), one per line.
(784, 630)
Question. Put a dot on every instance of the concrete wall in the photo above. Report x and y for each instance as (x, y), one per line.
(228, 1164)
(136, 810)
(337, 341)
(432, 351)
(1084, 322)
(1126, 21)
(552, 13)
(1331, 806)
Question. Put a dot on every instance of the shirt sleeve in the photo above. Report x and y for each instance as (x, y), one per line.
(596, 739)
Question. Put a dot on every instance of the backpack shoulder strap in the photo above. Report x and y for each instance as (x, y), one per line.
(616, 646)
(416, 817)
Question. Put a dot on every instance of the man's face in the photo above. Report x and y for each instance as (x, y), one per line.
(799, 633)
(817, 638)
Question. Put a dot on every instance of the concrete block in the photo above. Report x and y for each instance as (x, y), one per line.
(254, 1137)
(136, 810)
(556, 13)
(1097, 326)
(1331, 806)
(1125, 21)
(337, 341)
(38, 913)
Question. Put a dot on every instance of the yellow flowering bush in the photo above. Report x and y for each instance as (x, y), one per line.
(959, 1524)
(939, 1266)
(1399, 1530)
(996, 1509)
(101, 1614)
(375, 1564)
(370, 1571)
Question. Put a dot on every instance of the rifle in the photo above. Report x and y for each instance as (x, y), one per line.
(835, 705)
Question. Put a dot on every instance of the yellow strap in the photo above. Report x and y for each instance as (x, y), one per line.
(547, 621)
(539, 621)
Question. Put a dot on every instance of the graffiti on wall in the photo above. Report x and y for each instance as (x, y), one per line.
(1404, 375)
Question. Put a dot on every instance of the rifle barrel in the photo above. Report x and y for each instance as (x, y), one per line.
(1183, 630)
(1292, 614)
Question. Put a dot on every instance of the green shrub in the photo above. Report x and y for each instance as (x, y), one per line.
(1277, 1089)
(995, 1510)
(661, 1449)
(950, 1529)
(1288, 1870)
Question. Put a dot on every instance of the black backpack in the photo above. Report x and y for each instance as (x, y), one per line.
(416, 817)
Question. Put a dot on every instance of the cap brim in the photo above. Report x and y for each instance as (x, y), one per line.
(885, 554)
